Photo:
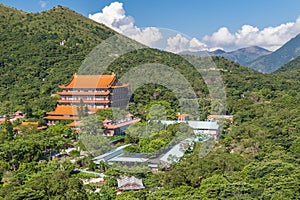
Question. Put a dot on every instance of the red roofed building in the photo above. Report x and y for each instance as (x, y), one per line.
(130, 183)
(62, 112)
(94, 91)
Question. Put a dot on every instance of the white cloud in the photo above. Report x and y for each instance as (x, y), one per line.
(271, 37)
(177, 43)
(180, 43)
(114, 16)
(43, 4)
(196, 45)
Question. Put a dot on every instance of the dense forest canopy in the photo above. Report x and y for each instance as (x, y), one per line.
(256, 157)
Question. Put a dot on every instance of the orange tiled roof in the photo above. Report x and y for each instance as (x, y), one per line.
(183, 115)
(30, 123)
(74, 124)
(84, 93)
(64, 110)
(61, 117)
(91, 81)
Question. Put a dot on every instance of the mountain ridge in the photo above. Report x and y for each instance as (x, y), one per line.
(242, 55)
(32, 52)
(286, 53)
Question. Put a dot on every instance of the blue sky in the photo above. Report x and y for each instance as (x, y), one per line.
(211, 23)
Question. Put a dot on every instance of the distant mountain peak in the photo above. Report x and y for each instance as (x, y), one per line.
(218, 51)
(271, 62)
(242, 56)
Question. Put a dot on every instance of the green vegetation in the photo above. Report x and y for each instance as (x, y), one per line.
(32, 61)
(154, 136)
(256, 157)
(291, 70)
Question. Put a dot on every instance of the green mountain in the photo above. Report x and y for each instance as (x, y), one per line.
(242, 56)
(256, 157)
(33, 61)
(292, 65)
(41, 51)
(246, 55)
(270, 63)
(290, 70)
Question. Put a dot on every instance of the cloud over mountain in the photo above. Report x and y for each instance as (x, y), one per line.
(114, 16)
(270, 37)
(180, 43)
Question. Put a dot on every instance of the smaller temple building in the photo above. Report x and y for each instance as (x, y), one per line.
(130, 183)
(62, 112)
(118, 127)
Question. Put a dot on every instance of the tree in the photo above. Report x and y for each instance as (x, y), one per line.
(82, 109)
(9, 128)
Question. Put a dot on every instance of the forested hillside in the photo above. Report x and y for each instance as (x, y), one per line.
(292, 65)
(39, 51)
(256, 157)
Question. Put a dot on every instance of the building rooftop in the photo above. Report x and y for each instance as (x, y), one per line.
(208, 125)
(74, 124)
(128, 159)
(64, 110)
(61, 117)
(91, 81)
(31, 125)
(203, 125)
(130, 183)
(113, 153)
(174, 154)
(217, 117)
(120, 123)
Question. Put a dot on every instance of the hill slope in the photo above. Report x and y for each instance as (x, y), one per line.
(41, 51)
(292, 65)
(291, 70)
(33, 60)
(273, 61)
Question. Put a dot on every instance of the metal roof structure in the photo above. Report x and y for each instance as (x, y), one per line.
(173, 155)
(201, 125)
(128, 159)
(109, 155)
